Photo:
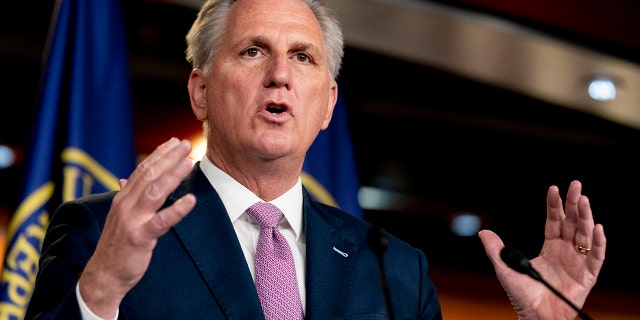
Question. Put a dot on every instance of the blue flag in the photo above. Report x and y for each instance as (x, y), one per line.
(83, 139)
(329, 170)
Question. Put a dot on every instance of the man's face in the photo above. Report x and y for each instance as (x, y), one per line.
(269, 92)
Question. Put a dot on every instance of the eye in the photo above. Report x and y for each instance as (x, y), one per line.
(303, 57)
(251, 52)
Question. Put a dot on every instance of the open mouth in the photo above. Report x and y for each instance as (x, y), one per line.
(275, 109)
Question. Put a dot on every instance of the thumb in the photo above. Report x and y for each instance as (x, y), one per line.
(492, 246)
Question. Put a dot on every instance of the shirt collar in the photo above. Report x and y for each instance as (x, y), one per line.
(237, 198)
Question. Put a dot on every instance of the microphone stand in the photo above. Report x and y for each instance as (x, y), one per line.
(519, 262)
(378, 242)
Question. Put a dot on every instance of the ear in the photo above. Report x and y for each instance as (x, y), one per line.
(333, 99)
(198, 93)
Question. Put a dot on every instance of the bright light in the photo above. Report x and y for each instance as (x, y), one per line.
(7, 157)
(602, 89)
(199, 148)
(465, 224)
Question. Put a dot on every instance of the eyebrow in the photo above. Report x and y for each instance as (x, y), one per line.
(261, 41)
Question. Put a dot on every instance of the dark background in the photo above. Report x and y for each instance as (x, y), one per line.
(445, 142)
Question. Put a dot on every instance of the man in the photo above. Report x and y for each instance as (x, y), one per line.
(179, 241)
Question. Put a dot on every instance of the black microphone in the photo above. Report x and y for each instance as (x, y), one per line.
(519, 262)
(378, 242)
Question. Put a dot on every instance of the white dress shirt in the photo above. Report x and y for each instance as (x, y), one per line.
(237, 199)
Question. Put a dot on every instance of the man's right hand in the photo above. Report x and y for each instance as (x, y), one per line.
(134, 225)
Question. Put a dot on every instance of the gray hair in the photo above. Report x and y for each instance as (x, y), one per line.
(205, 34)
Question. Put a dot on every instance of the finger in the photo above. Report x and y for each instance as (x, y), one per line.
(585, 224)
(492, 246)
(170, 216)
(157, 176)
(158, 155)
(162, 183)
(555, 214)
(570, 225)
(596, 256)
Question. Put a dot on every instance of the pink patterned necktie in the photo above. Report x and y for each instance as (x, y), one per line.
(275, 270)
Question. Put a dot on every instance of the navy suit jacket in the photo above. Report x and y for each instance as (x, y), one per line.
(198, 270)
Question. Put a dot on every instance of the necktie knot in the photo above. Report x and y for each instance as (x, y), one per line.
(266, 214)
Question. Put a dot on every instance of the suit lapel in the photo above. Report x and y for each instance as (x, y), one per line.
(331, 258)
(209, 238)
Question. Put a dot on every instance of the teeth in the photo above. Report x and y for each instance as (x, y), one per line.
(275, 109)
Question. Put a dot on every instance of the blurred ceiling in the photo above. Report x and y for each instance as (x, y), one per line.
(504, 53)
(470, 105)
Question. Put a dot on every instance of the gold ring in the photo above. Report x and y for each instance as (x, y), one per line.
(582, 250)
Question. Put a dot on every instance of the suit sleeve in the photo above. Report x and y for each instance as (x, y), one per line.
(69, 242)
(412, 291)
(429, 302)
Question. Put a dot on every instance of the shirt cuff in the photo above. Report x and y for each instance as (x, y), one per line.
(86, 313)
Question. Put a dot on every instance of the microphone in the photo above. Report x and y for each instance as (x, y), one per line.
(378, 242)
(517, 261)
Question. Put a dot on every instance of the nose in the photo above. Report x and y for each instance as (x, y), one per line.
(278, 74)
